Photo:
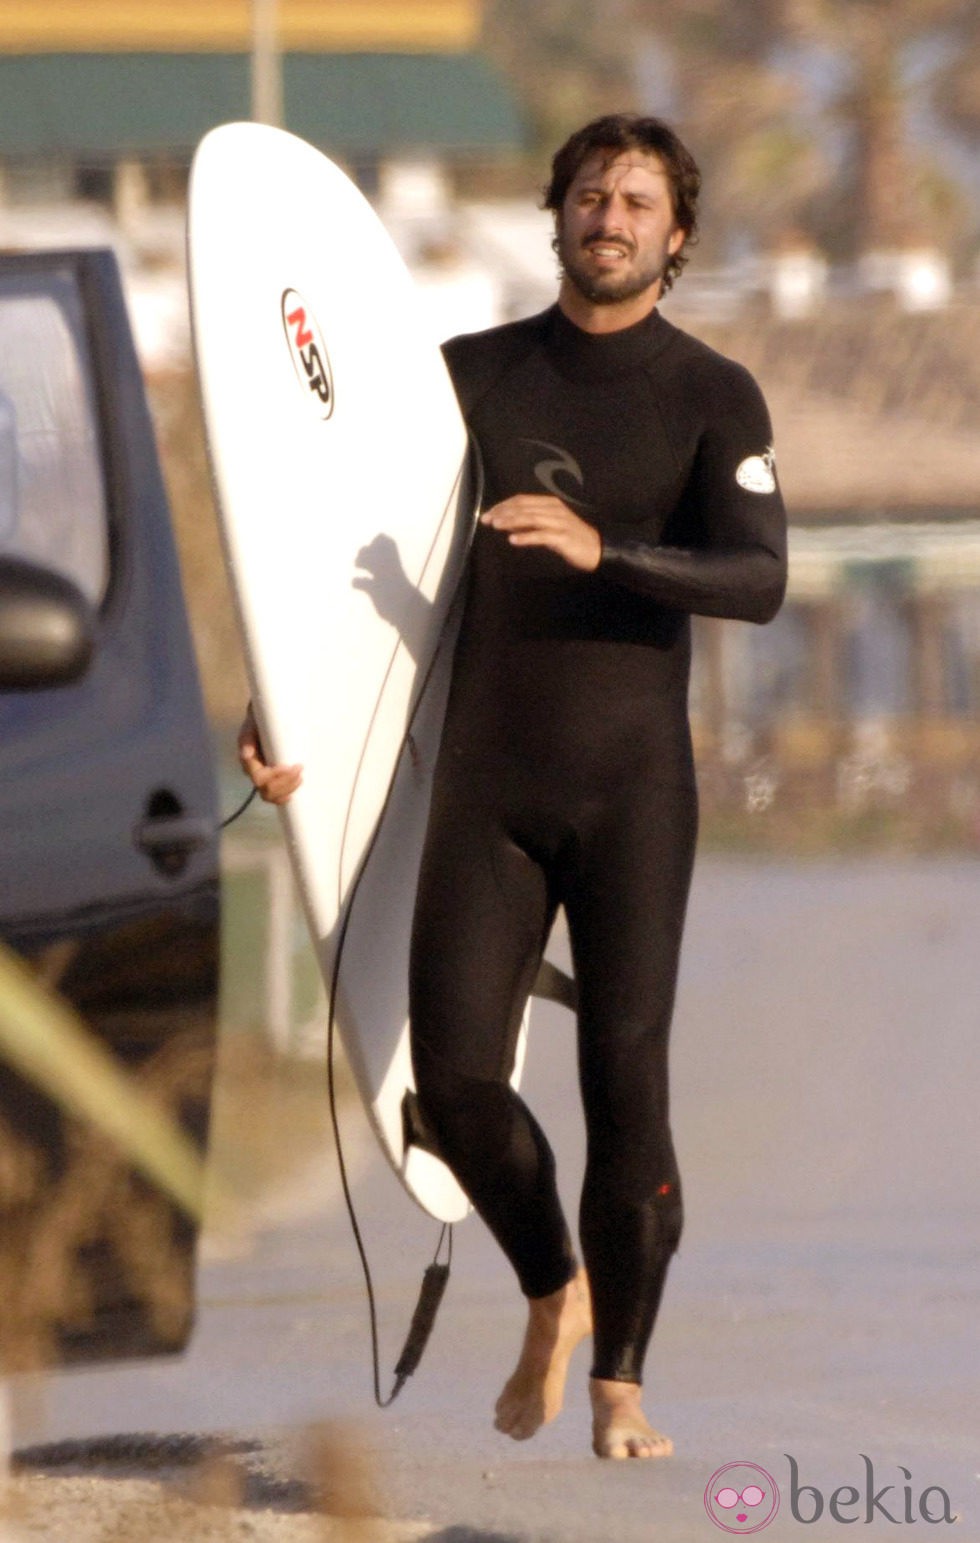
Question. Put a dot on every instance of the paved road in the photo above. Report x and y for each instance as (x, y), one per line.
(824, 1304)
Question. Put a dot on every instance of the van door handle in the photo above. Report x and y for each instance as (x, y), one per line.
(169, 839)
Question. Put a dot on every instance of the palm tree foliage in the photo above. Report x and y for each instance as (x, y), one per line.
(829, 116)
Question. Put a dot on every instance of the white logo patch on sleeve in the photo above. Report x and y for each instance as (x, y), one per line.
(757, 473)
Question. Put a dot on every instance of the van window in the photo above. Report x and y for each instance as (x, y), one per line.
(53, 506)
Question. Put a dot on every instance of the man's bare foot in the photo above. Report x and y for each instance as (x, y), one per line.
(619, 1426)
(535, 1392)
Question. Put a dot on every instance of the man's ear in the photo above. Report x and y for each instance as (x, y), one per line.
(676, 240)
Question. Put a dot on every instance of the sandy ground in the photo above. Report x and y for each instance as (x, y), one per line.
(823, 1305)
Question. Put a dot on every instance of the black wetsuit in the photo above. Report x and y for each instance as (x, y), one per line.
(565, 777)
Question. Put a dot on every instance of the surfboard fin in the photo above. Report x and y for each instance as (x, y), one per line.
(553, 985)
(415, 1131)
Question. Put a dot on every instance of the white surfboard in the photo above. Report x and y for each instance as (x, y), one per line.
(341, 470)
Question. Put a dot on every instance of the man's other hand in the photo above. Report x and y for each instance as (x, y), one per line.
(276, 784)
(538, 519)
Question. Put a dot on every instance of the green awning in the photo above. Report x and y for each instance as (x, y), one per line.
(100, 106)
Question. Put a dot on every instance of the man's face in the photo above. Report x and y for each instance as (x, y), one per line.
(616, 229)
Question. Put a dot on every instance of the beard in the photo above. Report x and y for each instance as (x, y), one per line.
(610, 288)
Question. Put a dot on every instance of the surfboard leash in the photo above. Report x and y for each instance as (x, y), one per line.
(231, 818)
(436, 1276)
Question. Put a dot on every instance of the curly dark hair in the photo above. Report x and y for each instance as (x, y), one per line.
(615, 133)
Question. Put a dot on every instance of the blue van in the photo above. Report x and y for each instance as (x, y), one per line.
(108, 844)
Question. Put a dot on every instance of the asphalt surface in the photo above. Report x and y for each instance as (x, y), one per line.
(821, 1313)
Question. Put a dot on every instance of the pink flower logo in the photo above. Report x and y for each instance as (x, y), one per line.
(741, 1498)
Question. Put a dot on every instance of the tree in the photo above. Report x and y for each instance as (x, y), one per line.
(798, 110)
(570, 59)
(738, 103)
(892, 193)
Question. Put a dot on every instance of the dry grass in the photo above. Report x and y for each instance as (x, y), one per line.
(62, 1217)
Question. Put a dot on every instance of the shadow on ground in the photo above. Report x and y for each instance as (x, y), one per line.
(467, 1535)
(205, 1468)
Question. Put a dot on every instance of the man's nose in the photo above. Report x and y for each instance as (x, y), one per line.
(611, 217)
(608, 228)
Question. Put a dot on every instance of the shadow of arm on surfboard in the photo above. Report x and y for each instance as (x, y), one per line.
(392, 593)
(396, 598)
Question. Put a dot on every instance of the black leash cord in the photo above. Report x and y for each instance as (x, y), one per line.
(239, 811)
(436, 1275)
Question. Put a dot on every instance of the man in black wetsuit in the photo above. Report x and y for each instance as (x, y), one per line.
(629, 483)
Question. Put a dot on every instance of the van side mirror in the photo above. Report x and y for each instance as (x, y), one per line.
(47, 627)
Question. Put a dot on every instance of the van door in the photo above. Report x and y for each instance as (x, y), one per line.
(108, 847)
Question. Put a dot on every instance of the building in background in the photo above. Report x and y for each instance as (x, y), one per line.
(102, 105)
(864, 693)
(87, 91)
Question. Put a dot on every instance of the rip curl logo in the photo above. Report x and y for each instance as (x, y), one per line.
(561, 463)
(757, 473)
(308, 353)
(741, 1498)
